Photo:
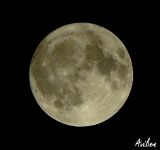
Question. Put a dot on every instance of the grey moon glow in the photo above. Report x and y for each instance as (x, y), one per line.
(81, 74)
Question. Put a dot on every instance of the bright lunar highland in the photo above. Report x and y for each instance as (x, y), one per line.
(81, 74)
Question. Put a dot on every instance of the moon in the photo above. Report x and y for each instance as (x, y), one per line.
(81, 74)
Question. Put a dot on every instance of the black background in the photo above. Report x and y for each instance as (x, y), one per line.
(26, 24)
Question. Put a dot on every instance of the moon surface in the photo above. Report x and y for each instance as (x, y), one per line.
(81, 74)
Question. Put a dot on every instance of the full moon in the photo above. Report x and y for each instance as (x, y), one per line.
(81, 74)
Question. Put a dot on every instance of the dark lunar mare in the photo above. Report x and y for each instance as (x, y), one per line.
(61, 57)
(105, 64)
